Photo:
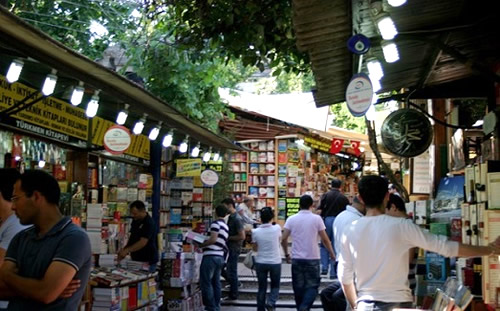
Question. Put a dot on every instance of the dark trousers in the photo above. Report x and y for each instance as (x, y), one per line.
(232, 271)
(326, 261)
(332, 297)
(305, 281)
(274, 272)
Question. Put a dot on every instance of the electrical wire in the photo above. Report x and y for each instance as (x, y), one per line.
(440, 121)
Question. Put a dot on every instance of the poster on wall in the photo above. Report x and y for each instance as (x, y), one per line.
(188, 167)
(421, 176)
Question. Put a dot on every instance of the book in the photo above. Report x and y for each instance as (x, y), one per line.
(270, 157)
(282, 145)
(262, 168)
(270, 192)
(270, 145)
(253, 191)
(254, 168)
(262, 157)
(282, 157)
(254, 156)
(270, 168)
(243, 167)
(282, 170)
(262, 180)
(262, 146)
(270, 180)
(262, 192)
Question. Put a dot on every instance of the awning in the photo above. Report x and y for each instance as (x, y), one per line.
(25, 39)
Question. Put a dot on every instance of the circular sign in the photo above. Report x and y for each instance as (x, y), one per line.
(209, 177)
(407, 133)
(359, 94)
(117, 139)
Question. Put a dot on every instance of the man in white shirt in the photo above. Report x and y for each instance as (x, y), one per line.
(332, 297)
(244, 209)
(376, 247)
(305, 227)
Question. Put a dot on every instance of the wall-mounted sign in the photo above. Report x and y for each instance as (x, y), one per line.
(209, 177)
(212, 165)
(359, 94)
(117, 139)
(407, 133)
(292, 206)
(188, 167)
(317, 144)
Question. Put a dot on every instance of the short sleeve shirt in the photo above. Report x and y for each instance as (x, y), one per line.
(235, 225)
(33, 254)
(144, 228)
(304, 228)
(9, 228)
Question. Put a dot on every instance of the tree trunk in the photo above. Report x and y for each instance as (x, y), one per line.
(372, 137)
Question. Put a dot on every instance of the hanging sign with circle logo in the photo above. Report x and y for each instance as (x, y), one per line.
(209, 177)
(359, 94)
(117, 139)
(406, 133)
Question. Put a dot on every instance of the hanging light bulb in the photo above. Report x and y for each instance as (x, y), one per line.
(14, 71)
(196, 151)
(396, 3)
(77, 95)
(41, 162)
(155, 131)
(139, 125)
(49, 84)
(216, 156)
(207, 155)
(122, 116)
(375, 69)
(386, 26)
(167, 140)
(93, 105)
(390, 50)
(183, 147)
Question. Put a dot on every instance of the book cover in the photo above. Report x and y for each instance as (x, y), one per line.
(270, 192)
(282, 170)
(262, 180)
(282, 192)
(262, 157)
(254, 168)
(243, 176)
(175, 216)
(270, 145)
(243, 167)
(235, 167)
(282, 157)
(261, 203)
(270, 157)
(291, 192)
(187, 197)
(270, 180)
(281, 204)
(262, 168)
(270, 168)
(132, 194)
(237, 177)
(270, 202)
(254, 157)
(253, 191)
(121, 194)
(197, 194)
(262, 192)
(262, 146)
(282, 145)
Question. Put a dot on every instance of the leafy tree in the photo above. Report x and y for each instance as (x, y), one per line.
(344, 119)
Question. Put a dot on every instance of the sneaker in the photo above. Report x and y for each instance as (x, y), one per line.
(229, 299)
(270, 308)
(324, 272)
(228, 286)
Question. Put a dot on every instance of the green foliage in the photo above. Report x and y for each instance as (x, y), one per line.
(259, 32)
(286, 82)
(344, 119)
(186, 78)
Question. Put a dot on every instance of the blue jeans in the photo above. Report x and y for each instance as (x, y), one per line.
(210, 269)
(305, 282)
(274, 271)
(232, 271)
(324, 254)
(366, 305)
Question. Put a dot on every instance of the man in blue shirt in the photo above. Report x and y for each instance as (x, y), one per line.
(43, 260)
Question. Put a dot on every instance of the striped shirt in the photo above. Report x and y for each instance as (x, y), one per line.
(220, 245)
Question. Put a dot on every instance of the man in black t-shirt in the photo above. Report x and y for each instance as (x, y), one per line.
(332, 203)
(142, 241)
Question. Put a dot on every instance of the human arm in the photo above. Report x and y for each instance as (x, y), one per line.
(327, 243)
(211, 240)
(3, 251)
(284, 243)
(45, 290)
(132, 248)
(465, 250)
(350, 294)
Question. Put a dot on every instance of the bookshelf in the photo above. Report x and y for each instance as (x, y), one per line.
(262, 173)
(239, 166)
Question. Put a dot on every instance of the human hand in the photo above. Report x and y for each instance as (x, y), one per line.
(288, 259)
(332, 256)
(122, 254)
(72, 287)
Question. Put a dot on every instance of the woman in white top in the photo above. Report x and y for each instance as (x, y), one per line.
(266, 241)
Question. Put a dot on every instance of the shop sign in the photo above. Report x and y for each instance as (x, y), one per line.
(209, 177)
(292, 206)
(117, 139)
(406, 133)
(188, 167)
(359, 94)
(139, 145)
(49, 117)
(317, 144)
(212, 165)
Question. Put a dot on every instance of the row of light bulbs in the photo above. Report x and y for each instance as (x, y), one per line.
(388, 31)
(49, 86)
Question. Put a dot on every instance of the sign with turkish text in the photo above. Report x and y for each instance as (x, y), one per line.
(49, 117)
(209, 177)
(406, 133)
(292, 206)
(188, 167)
(117, 139)
(317, 144)
(359, 94)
